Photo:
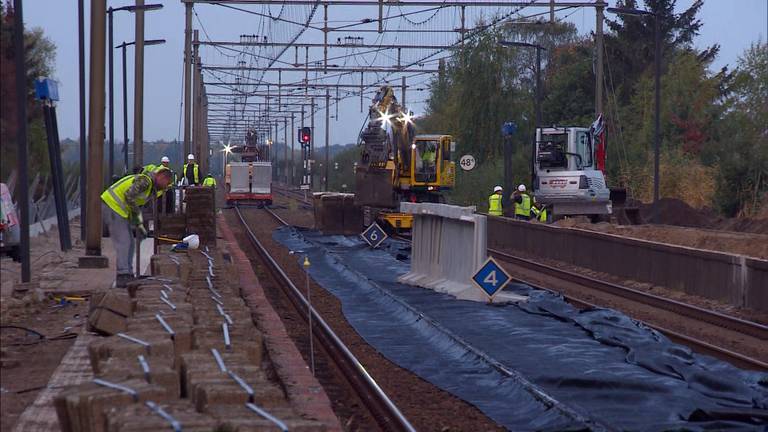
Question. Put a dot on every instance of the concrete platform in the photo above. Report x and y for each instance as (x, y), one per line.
(305, 395)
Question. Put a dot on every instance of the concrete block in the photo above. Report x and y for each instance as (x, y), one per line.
(239, 418)
(141, 418)
(82, 408)
(246, 341)
(123, 369)
(160, 347)
(109, 311)
(449, 246)
(93, 261)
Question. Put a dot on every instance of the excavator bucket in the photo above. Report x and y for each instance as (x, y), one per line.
(374, 188)
(337, 213)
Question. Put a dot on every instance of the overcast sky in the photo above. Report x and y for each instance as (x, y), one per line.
(734, 24)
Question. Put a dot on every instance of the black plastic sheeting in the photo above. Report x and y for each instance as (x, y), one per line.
(604, 370)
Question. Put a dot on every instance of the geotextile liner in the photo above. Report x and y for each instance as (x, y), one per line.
(539, 365)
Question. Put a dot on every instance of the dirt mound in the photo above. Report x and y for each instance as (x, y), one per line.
(673, 211)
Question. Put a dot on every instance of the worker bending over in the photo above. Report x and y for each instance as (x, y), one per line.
(121, 210)
(209, 181)
(191, 171)
(539, 212)
(494, 202)
(522, 203)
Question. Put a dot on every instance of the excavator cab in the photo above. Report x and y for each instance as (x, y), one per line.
(431, 166)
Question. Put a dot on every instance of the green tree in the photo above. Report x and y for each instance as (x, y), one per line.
(741, 152)
(40, 55)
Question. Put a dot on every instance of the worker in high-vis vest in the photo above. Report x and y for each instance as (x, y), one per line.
(494, 202)
(209, 181)
(191, 171)
(539, 212)
(121, 209)
(522, 203)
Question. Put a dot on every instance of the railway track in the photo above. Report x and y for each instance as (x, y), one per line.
(713, 318)
(383, 410)
(701, 315)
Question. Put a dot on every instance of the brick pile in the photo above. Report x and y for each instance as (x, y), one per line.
(182, 354)
(201, 213)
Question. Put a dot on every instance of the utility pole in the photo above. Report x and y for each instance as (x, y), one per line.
(138, 90)
(83, 147)
(21, 138)
(110, 46)
(196, 150)
(94, 258)
(187, 77)
(125, 111)
(285, 151)
(599, 59)
(312, 146)
(293, 148)
(327, 135)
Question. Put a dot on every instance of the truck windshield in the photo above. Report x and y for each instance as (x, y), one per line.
(584, 149)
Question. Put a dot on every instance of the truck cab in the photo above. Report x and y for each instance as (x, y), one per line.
(566, 177)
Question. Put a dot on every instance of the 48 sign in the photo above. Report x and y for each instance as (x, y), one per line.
(467, 162)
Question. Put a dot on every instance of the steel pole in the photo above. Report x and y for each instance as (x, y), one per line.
(327, 137)
(62, 195)
(293, 150)
(83, 146)
(657, 116)
(538, 117)
(21, 138)
(599, 60)
(111, 99)
(125, 112)
(187, 78)
(96, 127)
(138, 89)
(311, 156)
(285, 151)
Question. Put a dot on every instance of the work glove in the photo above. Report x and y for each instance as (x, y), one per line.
(141, 231)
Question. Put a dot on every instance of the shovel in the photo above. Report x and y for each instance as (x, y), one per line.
(191, 241)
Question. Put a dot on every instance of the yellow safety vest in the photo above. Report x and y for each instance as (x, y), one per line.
(114, 196)
(209, 181)
(523, 208)
(541, 215)
(494, 205)
(195, 170)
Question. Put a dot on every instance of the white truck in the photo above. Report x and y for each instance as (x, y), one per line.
(566, 170)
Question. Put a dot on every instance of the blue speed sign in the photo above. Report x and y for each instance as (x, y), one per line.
(374, 235)
(491, 278)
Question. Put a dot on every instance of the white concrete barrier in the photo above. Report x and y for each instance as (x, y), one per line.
(449, 245)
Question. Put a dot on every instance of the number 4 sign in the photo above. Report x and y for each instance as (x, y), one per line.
(491, 278)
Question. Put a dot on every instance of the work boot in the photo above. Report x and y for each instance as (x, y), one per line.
(122, 280)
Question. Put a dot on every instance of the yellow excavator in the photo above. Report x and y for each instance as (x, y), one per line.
(397, 165)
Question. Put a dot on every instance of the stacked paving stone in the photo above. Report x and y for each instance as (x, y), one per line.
(182, 353)
(201, 213)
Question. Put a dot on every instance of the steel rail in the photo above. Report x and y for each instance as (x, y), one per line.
(700, 314)
(383, 409)
(714, 318)
(698, 345)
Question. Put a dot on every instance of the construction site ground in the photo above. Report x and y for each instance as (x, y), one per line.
(27, 361)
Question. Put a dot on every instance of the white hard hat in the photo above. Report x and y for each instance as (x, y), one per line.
(165, 159)
(521, 188)
(497, 189)
(190, 157)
